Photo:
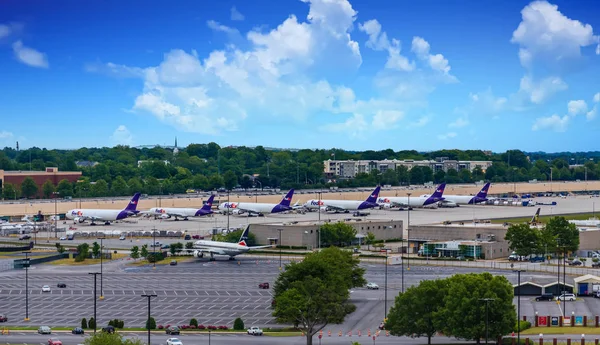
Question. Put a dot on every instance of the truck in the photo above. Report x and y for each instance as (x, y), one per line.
(255, 331)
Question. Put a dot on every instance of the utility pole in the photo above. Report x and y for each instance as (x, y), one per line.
(55, 214)
(486, 317)
(26, 264)
(228, 210)
(280, 230)
(385, 297)
(154, 248)
(95, 319)
(101, 254)
(149, 296)
(519, 305)
(408, 236)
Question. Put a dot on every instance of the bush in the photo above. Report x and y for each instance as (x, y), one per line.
(160, 327)
(211, 327)
(223, 327)
(595, 260)
(194, 322)
(150, 323)
(155, 257)
(116, 323)
(92, 323)
(524, 325)
(84, 323)
(201, 327)
(238, 324)
(192, 327)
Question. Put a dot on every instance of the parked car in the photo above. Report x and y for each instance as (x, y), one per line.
(174, 341)
(596, 294)
(187, 237)
(255, 331)
(61, 285)
(45, 288)
(165, 246)
(122, 238)
(63, 238)
(575, 262)
(263, 285)
(108, 329)
(24, 237)
(545, 297)
(173, 330)
(54, 341)
(537, 259)
(44, 330)
(173, 263)
(77, 330)
(372, 286)
(3, 318)
(382, 325)
(596, 264)
(567, 297)
(198, 237)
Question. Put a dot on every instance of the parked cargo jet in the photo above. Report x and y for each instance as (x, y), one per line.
(457, 200)
(168, 212)
(224, 248)
(415, 201)
(259, 209)
(81, 215)
(344, 205)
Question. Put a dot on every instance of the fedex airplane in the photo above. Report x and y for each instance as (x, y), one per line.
(224, 248)
(415, 201)
(107, 216)
(344, 205)
(258, 208)
(457, 200)
(168, 212)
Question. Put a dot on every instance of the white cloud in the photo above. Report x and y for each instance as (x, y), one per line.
(483, 103)
(554, 122)
(547, 35)
(459, 122)
(29, 56)
(5, 135)
(592, 113)
(539, 92)
(577, 107)
(386, 119)
(5, 30)
(236, 15)
(378, 40)
(216, 26)
(355, 126)
(448, 135)
(422, 121)
(10, 29)
(437, 62)
(597, 97)
(122, 136)
(114, 70)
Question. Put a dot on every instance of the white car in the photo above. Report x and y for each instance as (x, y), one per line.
(45, 288)
(174, 341)
(567, 297)
(255, 331)
(63, 238)
(122, 238)
(372, 286)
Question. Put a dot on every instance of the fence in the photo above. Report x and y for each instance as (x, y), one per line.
(18, 264)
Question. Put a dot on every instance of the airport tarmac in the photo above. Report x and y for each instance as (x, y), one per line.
(214, 293)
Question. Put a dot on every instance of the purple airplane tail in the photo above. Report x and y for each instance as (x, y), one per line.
(208, 204)
(132, 206)
(373, 197)
(439, 191)
(287, 199)
(483, 192)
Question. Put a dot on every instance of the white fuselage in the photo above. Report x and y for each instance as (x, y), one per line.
(103, 215)
(221, 248)
(457, 199)
(589, 222)
(417, 201)
(350, 205)
(247, 207)
(182, 212)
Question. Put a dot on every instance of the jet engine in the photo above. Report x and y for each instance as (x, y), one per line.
(78, 220)
(236, 211)
(198, 254)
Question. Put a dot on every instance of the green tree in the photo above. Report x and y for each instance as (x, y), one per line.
(315, 292)
(414, 311)
(10, 192)
(92, 323)
(135, 252)
(84, 323)
(104, 338)
(100, 188)
(369, 240)
(189, 245)
(339, 233)
(558, 233)
(59, 248)
(238, 324)
(83, 250)
(28, 187)
(234, 237)
(48, 189)
(119, 187)
(64, 188)
(523, 239)
(144, 252)
(150, 323)
(96, 249)
(230, 180)
(194, 322)
(463, 315)
(135, 185)
(215, 181)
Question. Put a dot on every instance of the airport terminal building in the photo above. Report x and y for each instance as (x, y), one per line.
(40, 177)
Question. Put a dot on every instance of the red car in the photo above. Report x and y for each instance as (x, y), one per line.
(54, 341)
(3, 318)
(198, 237)
(263, 285)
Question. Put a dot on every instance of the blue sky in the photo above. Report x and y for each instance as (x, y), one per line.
(352, 74)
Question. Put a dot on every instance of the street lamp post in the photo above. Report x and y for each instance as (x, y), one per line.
(228, 210)
(149, 296)
(95, 319)
(385, 286)
(26, 264)
(408, 236)
(280, 230)
(55, 212)
(101, 267)
(154, 248)
(519, 305)
(486, 316)
(209, 337)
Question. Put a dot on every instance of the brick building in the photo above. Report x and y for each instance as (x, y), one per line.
(40, 177)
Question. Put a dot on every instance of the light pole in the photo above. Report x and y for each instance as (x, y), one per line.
(153, 249)
(55, 194)
(149, 296)
(101, 279)
(486, 316)
(385, 287)
(26, 264)
(228, 210)
(95, 319)
(208, 337)
(408, 236)
(280, 230)
(519, 305)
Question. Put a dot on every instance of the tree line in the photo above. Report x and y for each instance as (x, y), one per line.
(123, 170)
(556, 236)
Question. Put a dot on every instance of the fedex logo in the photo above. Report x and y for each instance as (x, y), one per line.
(287, 198)
(76, 213)
(383, 200)
(134, 202)
(316, 203)
(160, 210)
(230, 205)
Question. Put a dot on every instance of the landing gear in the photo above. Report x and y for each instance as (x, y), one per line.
(106, 223)
(231, 258)
(185, 218)
(176, 219)
(212, 257)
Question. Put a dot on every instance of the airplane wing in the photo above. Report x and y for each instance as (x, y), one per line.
(92, 218)
(334, 208)
(259, 247)
(211, 250)
(399, 204)
(248, 210)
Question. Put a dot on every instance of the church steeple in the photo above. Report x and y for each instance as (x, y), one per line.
(175, 142)
(175, 149)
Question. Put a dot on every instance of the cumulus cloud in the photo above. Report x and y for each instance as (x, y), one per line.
(437, 62)
(592, 113)
(355, 126)
(216, 26)
(378, 40)
(446, 136)
(5, 135)
(459, 122)
(577, 107)
(422, 121)
(10, 29)
(122, 136)
(538, 92)
(114, 70)
(597, 97)
(29, 56)
(236, 15)
(554, 123)
(548, 36)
